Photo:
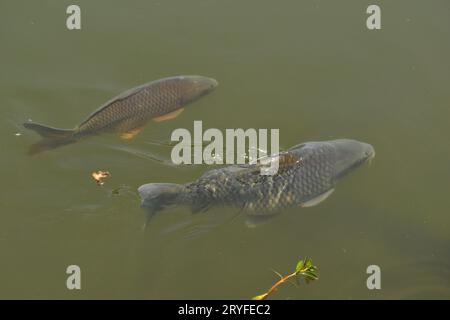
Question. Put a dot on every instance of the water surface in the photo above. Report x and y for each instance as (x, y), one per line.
(309, 68)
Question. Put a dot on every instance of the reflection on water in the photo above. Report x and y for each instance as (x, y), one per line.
(311, 69)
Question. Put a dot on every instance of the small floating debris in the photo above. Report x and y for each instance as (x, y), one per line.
(17, 134)
(99, 176)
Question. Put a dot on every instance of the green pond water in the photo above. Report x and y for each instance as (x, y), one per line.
(309, 68)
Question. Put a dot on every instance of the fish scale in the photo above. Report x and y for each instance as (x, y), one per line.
(149, 101)
(307, 174)
(264, 194)
(127, 113)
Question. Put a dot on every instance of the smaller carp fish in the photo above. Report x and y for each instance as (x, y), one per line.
(307, 175)
(129, 112)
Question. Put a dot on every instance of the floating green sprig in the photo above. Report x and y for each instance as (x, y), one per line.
(304, 268)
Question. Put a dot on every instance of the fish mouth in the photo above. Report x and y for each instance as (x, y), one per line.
(195, 87)
(370, 155)
(351, 154)
(210, 84)
(204, 85)
(203, 80)
(214, 82)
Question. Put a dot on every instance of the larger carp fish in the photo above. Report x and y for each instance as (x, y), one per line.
(129, 112)
(307, 174)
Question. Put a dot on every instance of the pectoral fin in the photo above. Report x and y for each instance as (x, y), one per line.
(169, 116)
(254, 221)
(317, 199)
(128, 135)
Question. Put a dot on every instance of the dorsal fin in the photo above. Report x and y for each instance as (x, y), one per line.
(285, 160)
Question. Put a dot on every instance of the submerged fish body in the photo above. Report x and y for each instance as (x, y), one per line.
(127, 113)
(307, 175)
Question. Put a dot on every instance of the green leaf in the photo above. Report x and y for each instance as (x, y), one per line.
(278, 274)
(299, 266)
(311, 275)
(304, 267)
(308, 264)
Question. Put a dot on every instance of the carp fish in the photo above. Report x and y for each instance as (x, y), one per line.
(307, 174)
(130, 111)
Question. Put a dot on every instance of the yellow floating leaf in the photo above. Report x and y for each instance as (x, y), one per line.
(260, 297)
(99, 176)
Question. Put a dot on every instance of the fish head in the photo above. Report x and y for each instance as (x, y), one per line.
(329, 161)
(194, 87)
(350, 154)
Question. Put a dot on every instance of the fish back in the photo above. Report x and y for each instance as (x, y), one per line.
(135, 107)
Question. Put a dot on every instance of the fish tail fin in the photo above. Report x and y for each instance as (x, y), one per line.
(156, 196)
(52, 137)
(49, 132)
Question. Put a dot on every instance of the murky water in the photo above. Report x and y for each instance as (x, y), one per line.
(309, 68)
